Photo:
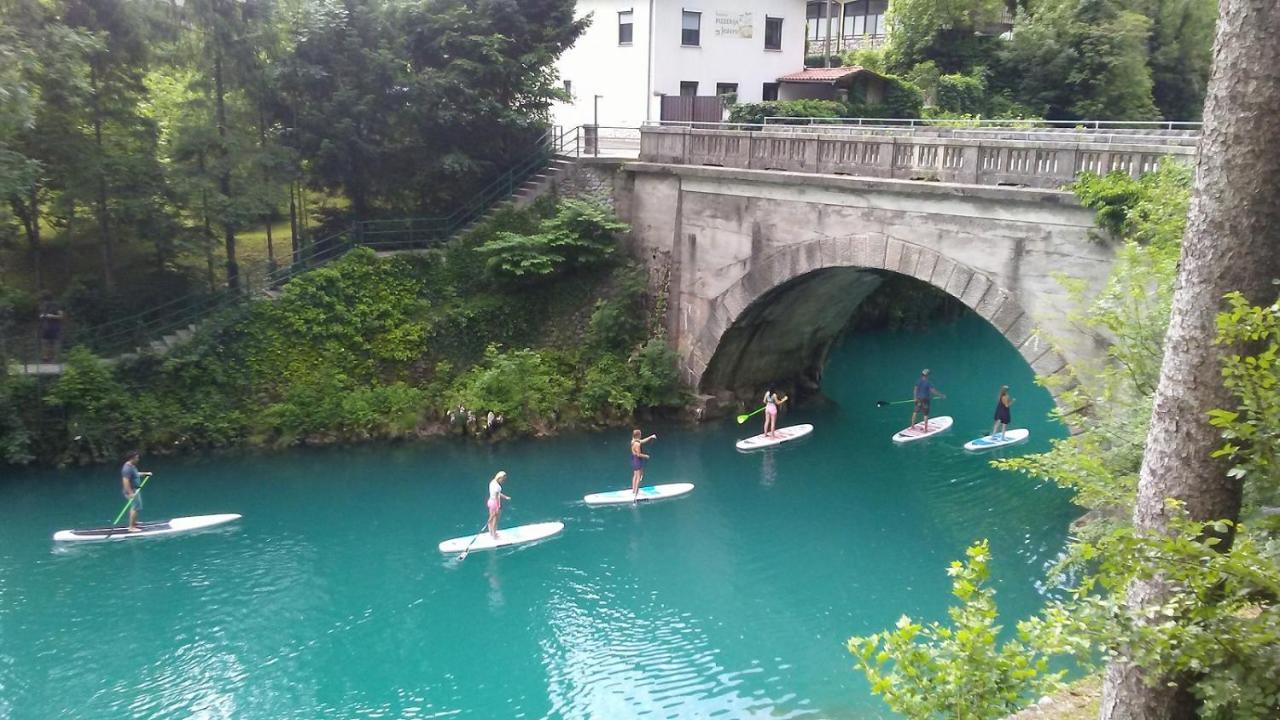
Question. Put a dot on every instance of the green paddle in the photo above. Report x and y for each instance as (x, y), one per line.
(757, 411)
(127, 503)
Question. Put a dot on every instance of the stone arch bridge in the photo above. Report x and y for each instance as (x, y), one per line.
(764, 268)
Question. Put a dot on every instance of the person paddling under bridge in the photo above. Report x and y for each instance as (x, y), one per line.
(924, 393)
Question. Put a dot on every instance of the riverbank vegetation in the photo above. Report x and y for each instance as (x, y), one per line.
(1172, 580)
(384, 348)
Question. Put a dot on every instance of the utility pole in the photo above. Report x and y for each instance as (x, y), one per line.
(826, 55)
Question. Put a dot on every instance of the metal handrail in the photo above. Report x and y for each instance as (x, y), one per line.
(944, 122)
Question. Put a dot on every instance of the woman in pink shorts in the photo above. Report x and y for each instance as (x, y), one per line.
(771, 403)
(495, 501)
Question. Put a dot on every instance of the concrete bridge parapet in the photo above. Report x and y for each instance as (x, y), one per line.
(1042, 161)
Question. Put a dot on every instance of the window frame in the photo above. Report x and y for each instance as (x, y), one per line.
(630, 26)
(684, 37)
(767, 20)
(764, 91)
(685, 83)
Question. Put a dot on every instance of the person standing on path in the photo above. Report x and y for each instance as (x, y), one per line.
(51, 317)
(923, 394)
(638, 459)
(494, 502)
(130, 481)
(1002, 413)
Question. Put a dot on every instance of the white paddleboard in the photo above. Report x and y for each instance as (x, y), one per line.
(988, 442)
(506, 536)
(648, 492)
(145, 529)
(917, 431)
(786, 434)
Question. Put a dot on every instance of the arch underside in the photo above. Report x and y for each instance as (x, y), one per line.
(784, 333)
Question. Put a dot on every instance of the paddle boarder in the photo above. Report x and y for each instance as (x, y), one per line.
(924, 393)
(130, 480)
(638, 459)
(495, 501)
(1002, 413)
(771, 403)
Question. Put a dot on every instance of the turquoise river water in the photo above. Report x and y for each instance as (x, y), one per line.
(329, 598)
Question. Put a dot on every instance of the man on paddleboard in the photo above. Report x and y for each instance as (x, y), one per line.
(923, 394)
(638, 459)
(130, 480)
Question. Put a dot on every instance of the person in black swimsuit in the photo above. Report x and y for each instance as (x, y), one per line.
(638, 459)
(1002, 413)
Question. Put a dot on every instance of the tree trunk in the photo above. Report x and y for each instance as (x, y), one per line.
(1233, 231)
(267, 191)
(224, 176)
(293, 225)
(27, 210)
(104, 226)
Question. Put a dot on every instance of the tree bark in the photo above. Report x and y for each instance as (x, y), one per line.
(224, 176)
(1231, 243)
(104, 226)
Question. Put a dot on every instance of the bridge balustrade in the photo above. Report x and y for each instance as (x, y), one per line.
(1040, 161)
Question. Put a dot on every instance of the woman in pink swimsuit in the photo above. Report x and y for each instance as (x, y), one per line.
(771, 403)
(495, 501)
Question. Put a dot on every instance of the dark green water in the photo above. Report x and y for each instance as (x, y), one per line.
(329, 599)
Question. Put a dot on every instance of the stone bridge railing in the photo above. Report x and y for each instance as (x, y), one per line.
(1037, 163)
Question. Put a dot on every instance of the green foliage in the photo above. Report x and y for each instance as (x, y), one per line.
(582, 234)
(1101, 462)
(1219, 623)
(962, 93)
(869, 58)
(617, 323)
(334, 406)
(902, 99)
(960, 670)
(15, 438)
(1080, 59)
(817, 61)
(1181, 54)
(755, 113)
(521, 385)
(954, 34)
(1251, 430)
(657, 377)
(102, 419)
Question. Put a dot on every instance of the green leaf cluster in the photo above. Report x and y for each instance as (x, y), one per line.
(960, 670)
(581, 235)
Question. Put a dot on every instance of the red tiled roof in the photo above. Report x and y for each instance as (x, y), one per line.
(824, 75)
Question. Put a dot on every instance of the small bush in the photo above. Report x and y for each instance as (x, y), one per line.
(755, 113)
(580, 235)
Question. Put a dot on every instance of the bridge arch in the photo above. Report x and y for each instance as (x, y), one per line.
(781, 318)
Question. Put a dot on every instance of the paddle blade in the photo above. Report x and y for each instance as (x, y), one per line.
(742, 418)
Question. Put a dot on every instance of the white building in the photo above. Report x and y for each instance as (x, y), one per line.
(637, 51)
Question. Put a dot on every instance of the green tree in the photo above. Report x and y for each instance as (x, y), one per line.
(1080, 59)
(955, 35)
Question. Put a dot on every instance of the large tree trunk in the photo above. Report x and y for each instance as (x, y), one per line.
(1232, 243)
(224, 177)
(104, 223)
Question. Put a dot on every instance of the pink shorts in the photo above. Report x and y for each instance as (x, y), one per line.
(494, 505)
(771, 410)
